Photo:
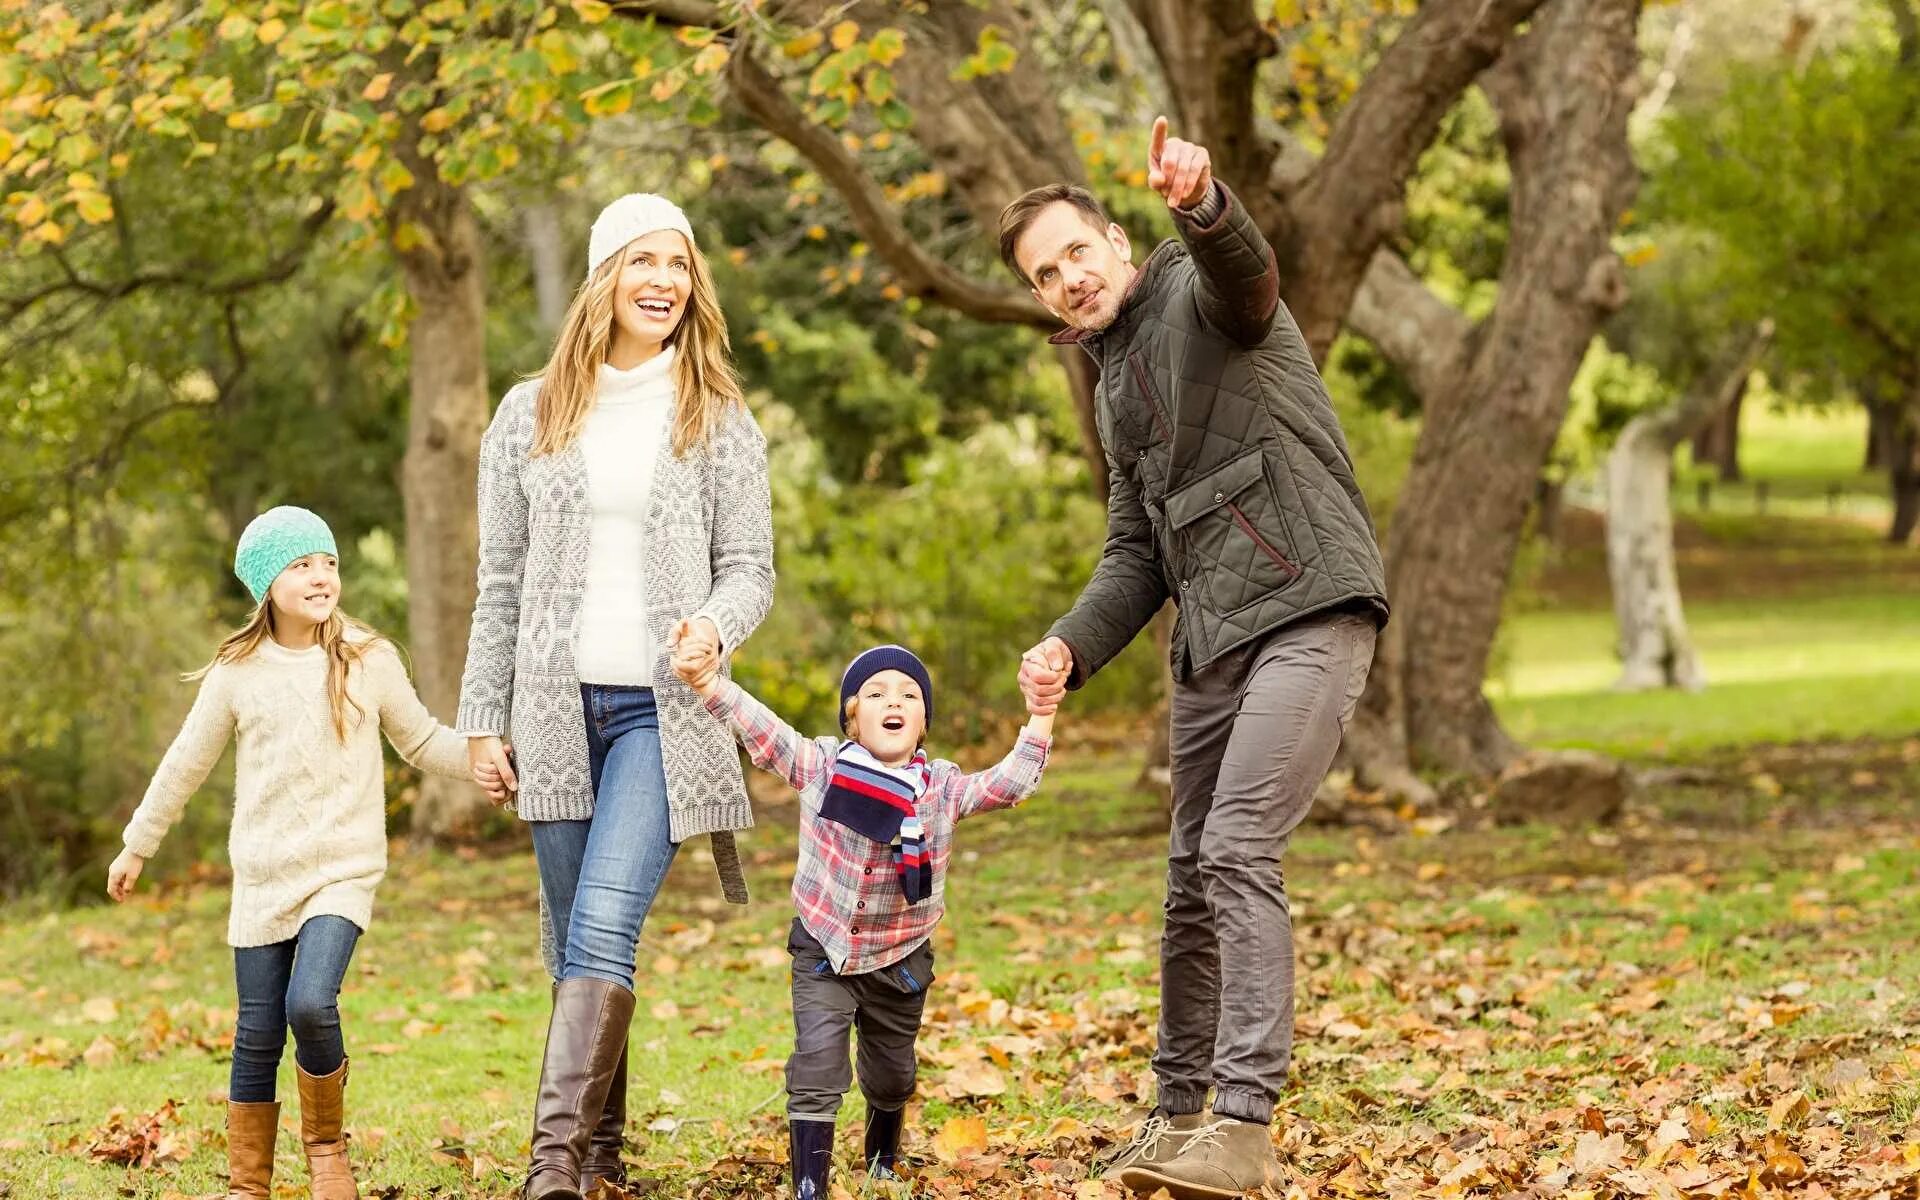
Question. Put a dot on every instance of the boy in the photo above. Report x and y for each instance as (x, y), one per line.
(876, 833)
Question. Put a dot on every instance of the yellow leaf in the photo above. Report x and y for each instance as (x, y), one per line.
(95, 208)
(235, 27)
(49, 232)
(592, 11)
(960, 1137)
(711, 59)
(272, 30)
(101, 1010)
(803, 45)
(436, 121)
(665, 86)
(32, 211)
(377, 87)
(218, 95)
(101, 1052)
(844, 34)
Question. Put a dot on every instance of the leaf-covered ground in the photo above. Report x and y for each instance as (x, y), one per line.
(1720, 997)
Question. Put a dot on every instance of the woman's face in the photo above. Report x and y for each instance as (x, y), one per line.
(650, 295)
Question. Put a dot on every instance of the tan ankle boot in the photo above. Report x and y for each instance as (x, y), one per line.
(322, 1110)
(251, 1129)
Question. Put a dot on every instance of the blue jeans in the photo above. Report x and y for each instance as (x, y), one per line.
(295, 983)
(600, 875)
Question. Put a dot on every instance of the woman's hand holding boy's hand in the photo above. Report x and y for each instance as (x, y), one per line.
(123, 874)
(696, 655)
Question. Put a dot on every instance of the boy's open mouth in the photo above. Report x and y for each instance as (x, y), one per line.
(893, 724)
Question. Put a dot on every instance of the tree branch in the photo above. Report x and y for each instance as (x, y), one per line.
(1425, 338)
(1395, 115)
(878, 221)
(674, 12)
(1209, 55)
(1906, 25)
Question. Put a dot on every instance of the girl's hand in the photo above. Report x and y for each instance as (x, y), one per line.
(492, 766)
(123, 874)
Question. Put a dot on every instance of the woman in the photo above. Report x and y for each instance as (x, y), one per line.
(623, 500)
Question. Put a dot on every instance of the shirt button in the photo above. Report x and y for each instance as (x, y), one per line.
(860, 904)
(869, 870)
(855, 931)
(1183, 584)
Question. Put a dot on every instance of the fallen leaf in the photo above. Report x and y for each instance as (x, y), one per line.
(960, 1137)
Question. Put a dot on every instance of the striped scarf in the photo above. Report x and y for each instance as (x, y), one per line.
(877, 802)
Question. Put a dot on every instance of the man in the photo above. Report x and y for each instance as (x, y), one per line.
(1232, 493)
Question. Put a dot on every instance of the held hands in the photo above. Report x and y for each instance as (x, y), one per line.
(696, 654)
(1043, 676)
(1181, 172)
(491, 761)
(123, 874)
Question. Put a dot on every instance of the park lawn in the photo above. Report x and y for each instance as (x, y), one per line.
(1500, 1008)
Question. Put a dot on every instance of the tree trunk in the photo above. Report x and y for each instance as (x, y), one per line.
(1156, 773)
(1655, 649)
(1880, 425)
(1564, 92)
(1903, 470)
(438, 244)
(553, 280)
(1717, 443)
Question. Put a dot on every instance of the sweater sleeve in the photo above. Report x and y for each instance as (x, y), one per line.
(486, 687)
(195, 751)
(1236, 282)
(771, 743)
(420, 739)
(1007, 782)
(742, 531)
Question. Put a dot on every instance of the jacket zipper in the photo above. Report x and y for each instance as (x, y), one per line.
(1240, 519)
(1153, 397)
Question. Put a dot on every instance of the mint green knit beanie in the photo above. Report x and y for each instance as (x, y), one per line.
(275, 538)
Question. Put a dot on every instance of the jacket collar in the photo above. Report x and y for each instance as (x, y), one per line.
(1144, 282)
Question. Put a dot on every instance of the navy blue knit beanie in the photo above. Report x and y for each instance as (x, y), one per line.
(869, 663)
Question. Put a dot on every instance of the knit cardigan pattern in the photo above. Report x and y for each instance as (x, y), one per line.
(709, 548)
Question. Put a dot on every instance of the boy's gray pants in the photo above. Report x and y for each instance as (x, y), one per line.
(1253, 735)
(884, 1005)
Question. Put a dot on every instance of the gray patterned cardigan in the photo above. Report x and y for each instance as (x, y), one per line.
(709, 554)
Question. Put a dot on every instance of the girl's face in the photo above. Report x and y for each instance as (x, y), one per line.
(890, 718)
(650, 295)
(308, 589)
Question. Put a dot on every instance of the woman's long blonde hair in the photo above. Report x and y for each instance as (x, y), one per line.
(344, 639)
(704, 382)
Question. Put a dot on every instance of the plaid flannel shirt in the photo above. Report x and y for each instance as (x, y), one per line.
(846, 889)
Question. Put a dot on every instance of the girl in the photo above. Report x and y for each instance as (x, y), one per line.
(622, 492)
(308, 689)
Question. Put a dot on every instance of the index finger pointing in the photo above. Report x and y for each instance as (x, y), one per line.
(1158, 141)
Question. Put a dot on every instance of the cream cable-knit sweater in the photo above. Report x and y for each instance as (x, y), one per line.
(309, 812)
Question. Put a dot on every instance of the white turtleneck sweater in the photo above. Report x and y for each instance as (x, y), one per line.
(625, 434)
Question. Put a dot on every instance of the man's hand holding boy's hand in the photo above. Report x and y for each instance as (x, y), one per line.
(1043, 676)
(696, 655)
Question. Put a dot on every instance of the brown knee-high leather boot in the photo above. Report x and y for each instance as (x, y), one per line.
(586, 1037)
(609, 1136)
(251, 1129)
(322, 1111)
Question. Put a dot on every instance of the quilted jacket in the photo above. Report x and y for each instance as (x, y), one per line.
(1231, 490)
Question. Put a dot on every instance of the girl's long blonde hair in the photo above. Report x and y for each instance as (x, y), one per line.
(344, 639)
(704, 381)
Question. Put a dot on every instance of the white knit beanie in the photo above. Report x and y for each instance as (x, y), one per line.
(633, 215)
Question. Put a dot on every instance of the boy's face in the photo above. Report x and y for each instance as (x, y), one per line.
(890, 717)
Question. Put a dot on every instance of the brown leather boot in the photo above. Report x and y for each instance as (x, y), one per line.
(1221, 1160)
(586, 1037)
(322, 1109)
(1157, 1139)
(609, 1136)
(251, 1129)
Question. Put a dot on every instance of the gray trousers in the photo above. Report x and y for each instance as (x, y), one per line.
(884, 1005)
(1253, 736)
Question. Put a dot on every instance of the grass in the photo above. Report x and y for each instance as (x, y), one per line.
(1808, 625)
(1448, 975)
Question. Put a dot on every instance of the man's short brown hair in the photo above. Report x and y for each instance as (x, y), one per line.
(1015, 218)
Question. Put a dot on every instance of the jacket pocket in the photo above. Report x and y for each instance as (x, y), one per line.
(1234, 533)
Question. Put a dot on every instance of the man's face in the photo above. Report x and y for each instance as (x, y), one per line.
(1079, 271)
